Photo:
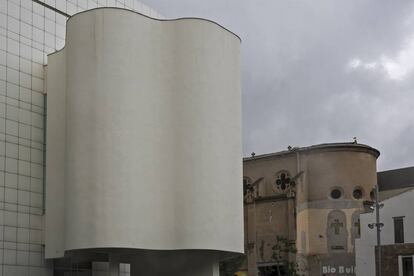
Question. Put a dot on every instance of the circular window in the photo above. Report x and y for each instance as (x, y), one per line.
(336, 193)
(357, 193)
(282, 180)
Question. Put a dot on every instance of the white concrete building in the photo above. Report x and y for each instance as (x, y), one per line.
(147, 186)
(397, 237)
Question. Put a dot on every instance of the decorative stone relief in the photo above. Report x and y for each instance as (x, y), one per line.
(285, 183)
(251, 190)
(337, 234)
(283, 180)
(248, 190)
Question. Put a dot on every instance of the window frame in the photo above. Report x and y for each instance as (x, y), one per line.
(340, 189)
(398, 233)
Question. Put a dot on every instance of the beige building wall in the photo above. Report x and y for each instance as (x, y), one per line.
(266, 168)
(271, 217)
(313, 222)
(323, 228)
(326, 170)
(346, 169)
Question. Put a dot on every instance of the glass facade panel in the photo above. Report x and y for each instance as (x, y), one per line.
(28, 32)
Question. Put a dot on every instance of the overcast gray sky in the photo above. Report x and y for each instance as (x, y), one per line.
(321, 71)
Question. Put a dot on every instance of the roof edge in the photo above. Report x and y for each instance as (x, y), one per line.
(149, 17)
(397, 169)
(319, 147)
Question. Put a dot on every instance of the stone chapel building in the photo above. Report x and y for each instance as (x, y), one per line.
(312, 196)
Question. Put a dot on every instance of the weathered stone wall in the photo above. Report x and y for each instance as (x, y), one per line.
(323, 227)
(390, 253)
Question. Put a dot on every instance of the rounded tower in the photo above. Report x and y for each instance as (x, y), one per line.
(144, 142)
(311, 196)
(337, 183)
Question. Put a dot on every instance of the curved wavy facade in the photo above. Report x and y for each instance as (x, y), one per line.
(144, 136)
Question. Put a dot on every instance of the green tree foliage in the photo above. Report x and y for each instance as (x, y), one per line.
(281, 250)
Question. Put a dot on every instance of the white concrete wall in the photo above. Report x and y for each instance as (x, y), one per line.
(401, 205)
(151, 114)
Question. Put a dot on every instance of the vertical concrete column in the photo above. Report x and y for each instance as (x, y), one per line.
(251, 239)
(291, 222)
(114, 264)
(291, 217)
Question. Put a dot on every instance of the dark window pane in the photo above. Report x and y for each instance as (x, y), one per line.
(357, 194)
(336, 193)
(399, 230)
(407, 265)
(372, 195)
